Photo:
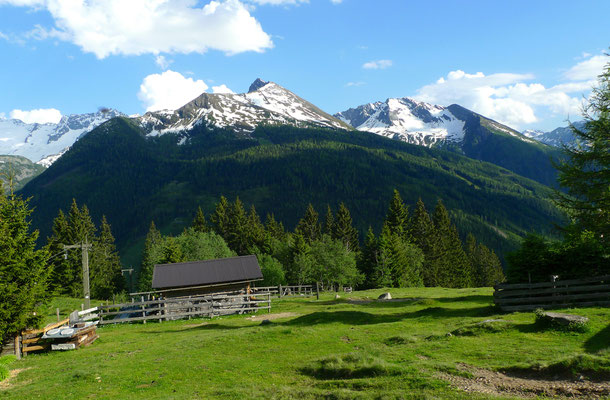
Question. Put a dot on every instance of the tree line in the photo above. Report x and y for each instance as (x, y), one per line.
(412, 249)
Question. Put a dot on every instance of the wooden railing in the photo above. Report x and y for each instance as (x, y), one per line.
(559, 294)
(282, 290)
(184, 307)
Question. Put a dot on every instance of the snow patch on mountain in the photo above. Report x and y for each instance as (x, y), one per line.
(44, 143)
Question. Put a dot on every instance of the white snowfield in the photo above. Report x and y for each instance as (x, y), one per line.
(45, 143)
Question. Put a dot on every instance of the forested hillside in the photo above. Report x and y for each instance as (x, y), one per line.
(132, 179)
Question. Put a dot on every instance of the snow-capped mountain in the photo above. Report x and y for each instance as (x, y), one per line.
(414, 122)
(557, 137)
(265, 103)
(45, 143)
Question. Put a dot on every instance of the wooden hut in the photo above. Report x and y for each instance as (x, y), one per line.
(195, 278)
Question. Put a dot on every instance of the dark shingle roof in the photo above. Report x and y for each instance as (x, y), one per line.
(208, 272)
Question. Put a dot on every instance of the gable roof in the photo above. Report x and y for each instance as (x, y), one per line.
(208, 272)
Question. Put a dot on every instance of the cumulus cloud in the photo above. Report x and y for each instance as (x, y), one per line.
(169, 90)
(512, 98)
(351, 84)
(221, 89)
(336, 1)
(110, 27)
(163, 62)
(278, 2)
(588, 69)
(39, 116)
(378, 64)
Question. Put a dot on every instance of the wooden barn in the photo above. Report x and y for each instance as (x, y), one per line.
(197, 278)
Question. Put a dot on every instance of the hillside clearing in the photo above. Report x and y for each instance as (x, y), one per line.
(327, 348)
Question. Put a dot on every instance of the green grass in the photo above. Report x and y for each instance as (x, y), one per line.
(332, 349)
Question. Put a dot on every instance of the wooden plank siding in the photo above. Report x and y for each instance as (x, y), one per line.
(587, 292)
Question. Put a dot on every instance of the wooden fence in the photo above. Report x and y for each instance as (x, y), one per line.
(281, 290)
(184, 307)
(559, 294)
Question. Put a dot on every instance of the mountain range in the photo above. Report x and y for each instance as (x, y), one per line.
(558, 136)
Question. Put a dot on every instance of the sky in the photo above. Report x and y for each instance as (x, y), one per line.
(528, 64)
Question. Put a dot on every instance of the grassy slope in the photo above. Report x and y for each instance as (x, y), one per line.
(233, 357)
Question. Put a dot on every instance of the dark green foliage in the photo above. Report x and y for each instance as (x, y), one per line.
(199, 224)
(151, 248)
(273, 272)
(105, 265)
(368, 258)
(398, 216)
(220, 217)
(329, 222)
(333, 264)
(343, 230)
(309, 227)
(23, 269)
(274, 228)
(585, 171)
(447, 263)
(487, 268)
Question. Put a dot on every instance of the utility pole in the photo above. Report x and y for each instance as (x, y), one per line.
(85, 247)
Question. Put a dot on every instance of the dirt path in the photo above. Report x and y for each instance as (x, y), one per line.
(497, 383)
(272, 316)
(8, 382)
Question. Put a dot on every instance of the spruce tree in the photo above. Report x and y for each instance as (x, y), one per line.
(398, 215)
(255, 231)
(105, 266)
(23, 269)
(199, 224)
(220, 217)
(149, 258)
(382, 272)
(237, 228)
(309, 226)
(61, 269)
(368, 258)
(274, 228)
(343, 229)
(421, 230)
(329, 222)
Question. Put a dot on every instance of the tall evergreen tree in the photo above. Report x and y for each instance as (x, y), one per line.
(382, 272)
(274, 228)
(105, 266)
(220, 217)
(309, 226)
(255, 230)
(421, 230)
(199, 224)
(61, 269)
(448, 259)
(237, 228)
(343, 229)
(398, 215)
(367, 261)
(585, 171)
(23, 269)
(485, 264)
(149, 258)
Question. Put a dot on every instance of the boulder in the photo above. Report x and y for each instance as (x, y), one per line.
(563, 319)
(385, 296)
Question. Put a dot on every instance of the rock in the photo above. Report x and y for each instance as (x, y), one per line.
(266, 322)
(563, 319)
(385, 296)
(337, 297)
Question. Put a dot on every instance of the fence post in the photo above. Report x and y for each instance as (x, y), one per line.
(18, 347)
(269, 303)
(57, 312)
(143, 309)
(317, 291)
(279, 295)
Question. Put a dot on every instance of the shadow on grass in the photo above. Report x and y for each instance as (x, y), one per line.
(599, 341)
(366, 318)
(475, 298)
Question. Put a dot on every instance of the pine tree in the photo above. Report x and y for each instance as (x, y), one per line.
(153, 239)
(220, 218)
(309, 226)
(448, 259)
(62, 272)
(105, 266)
(237, 228)
(382, 273)
(421, 230)
(23, 269)
(344, 231)
(398, 216)
(368, 258)
(255, 231)
(274, 228)
(585, 171)
(199, 224)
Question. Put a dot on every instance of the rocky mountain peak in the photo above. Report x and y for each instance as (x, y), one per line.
(257, 84)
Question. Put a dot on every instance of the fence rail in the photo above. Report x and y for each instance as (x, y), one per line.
(184, 307)
(559, 294)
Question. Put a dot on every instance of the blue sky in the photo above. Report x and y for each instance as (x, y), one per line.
(524, 63)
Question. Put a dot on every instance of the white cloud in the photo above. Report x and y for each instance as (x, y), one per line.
(336, 1)
(110, 27)
(169, 90)
(163, 62)
(507, 97)
(587, 69)
(351, 84)
(39, 116)
(221, 89)
(379, 64)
